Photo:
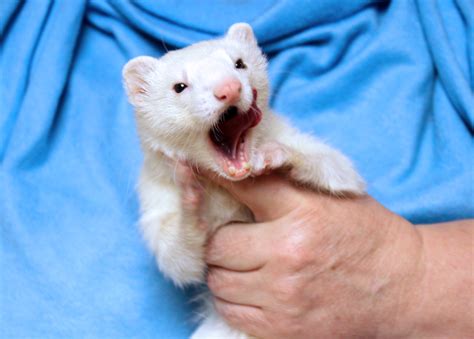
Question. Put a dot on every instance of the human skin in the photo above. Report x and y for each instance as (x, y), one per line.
(319, 266)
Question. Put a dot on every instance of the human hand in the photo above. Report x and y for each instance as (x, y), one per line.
(313, 265)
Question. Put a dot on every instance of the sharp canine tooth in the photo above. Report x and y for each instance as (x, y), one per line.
(232, 170)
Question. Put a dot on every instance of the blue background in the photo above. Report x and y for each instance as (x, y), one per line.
(389, 83)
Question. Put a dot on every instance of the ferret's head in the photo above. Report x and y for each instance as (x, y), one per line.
(203, 103)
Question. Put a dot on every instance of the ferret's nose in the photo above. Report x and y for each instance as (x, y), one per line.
(228, 91)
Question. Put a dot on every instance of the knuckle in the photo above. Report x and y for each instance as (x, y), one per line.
(286, 291)
(294, 311)
(296, 254)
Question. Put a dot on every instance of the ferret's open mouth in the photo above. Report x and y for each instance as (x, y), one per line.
(228, 137)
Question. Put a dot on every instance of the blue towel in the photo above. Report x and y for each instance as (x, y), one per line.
(388, 83)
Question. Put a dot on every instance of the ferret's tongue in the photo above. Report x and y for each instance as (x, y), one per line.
(230, 130)
(233, 129)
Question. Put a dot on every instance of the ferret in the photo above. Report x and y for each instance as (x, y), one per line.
(207, 105)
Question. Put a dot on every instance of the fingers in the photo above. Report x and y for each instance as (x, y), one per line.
(236, 287)
(239, 247)
(248, 319)
(192, 191)
(268, 197)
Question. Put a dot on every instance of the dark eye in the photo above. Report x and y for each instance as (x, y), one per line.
(240, 64)
(178, 88)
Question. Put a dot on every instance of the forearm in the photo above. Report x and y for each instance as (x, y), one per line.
(444, 301)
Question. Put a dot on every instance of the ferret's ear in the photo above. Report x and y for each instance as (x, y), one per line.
(136, 77)
(241, 32)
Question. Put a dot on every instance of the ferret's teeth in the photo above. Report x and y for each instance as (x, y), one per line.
(241, 155)
(232, 170)
(247, 166)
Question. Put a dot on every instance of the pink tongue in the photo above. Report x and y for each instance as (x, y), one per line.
(233, 129)
(228, 133)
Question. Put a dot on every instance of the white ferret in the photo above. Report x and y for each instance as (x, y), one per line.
(207, 105)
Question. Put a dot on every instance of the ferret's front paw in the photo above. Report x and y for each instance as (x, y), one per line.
(269, 156)
(332, 172)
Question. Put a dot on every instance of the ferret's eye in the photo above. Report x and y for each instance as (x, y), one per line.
(240, 64)
(178, 88)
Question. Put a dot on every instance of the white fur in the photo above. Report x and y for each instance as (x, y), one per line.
(174, 127)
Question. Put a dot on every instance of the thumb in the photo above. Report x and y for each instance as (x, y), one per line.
(269, 197)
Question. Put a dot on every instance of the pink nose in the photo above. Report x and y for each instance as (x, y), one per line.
(228, 91)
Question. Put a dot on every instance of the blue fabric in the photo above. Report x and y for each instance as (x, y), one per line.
(389, 83)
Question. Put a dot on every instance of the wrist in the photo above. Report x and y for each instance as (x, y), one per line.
(443, 303)
(400, 270)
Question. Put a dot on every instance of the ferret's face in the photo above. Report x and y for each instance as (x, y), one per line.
(203, 103)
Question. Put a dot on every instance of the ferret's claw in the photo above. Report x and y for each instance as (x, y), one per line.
(269, 157)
